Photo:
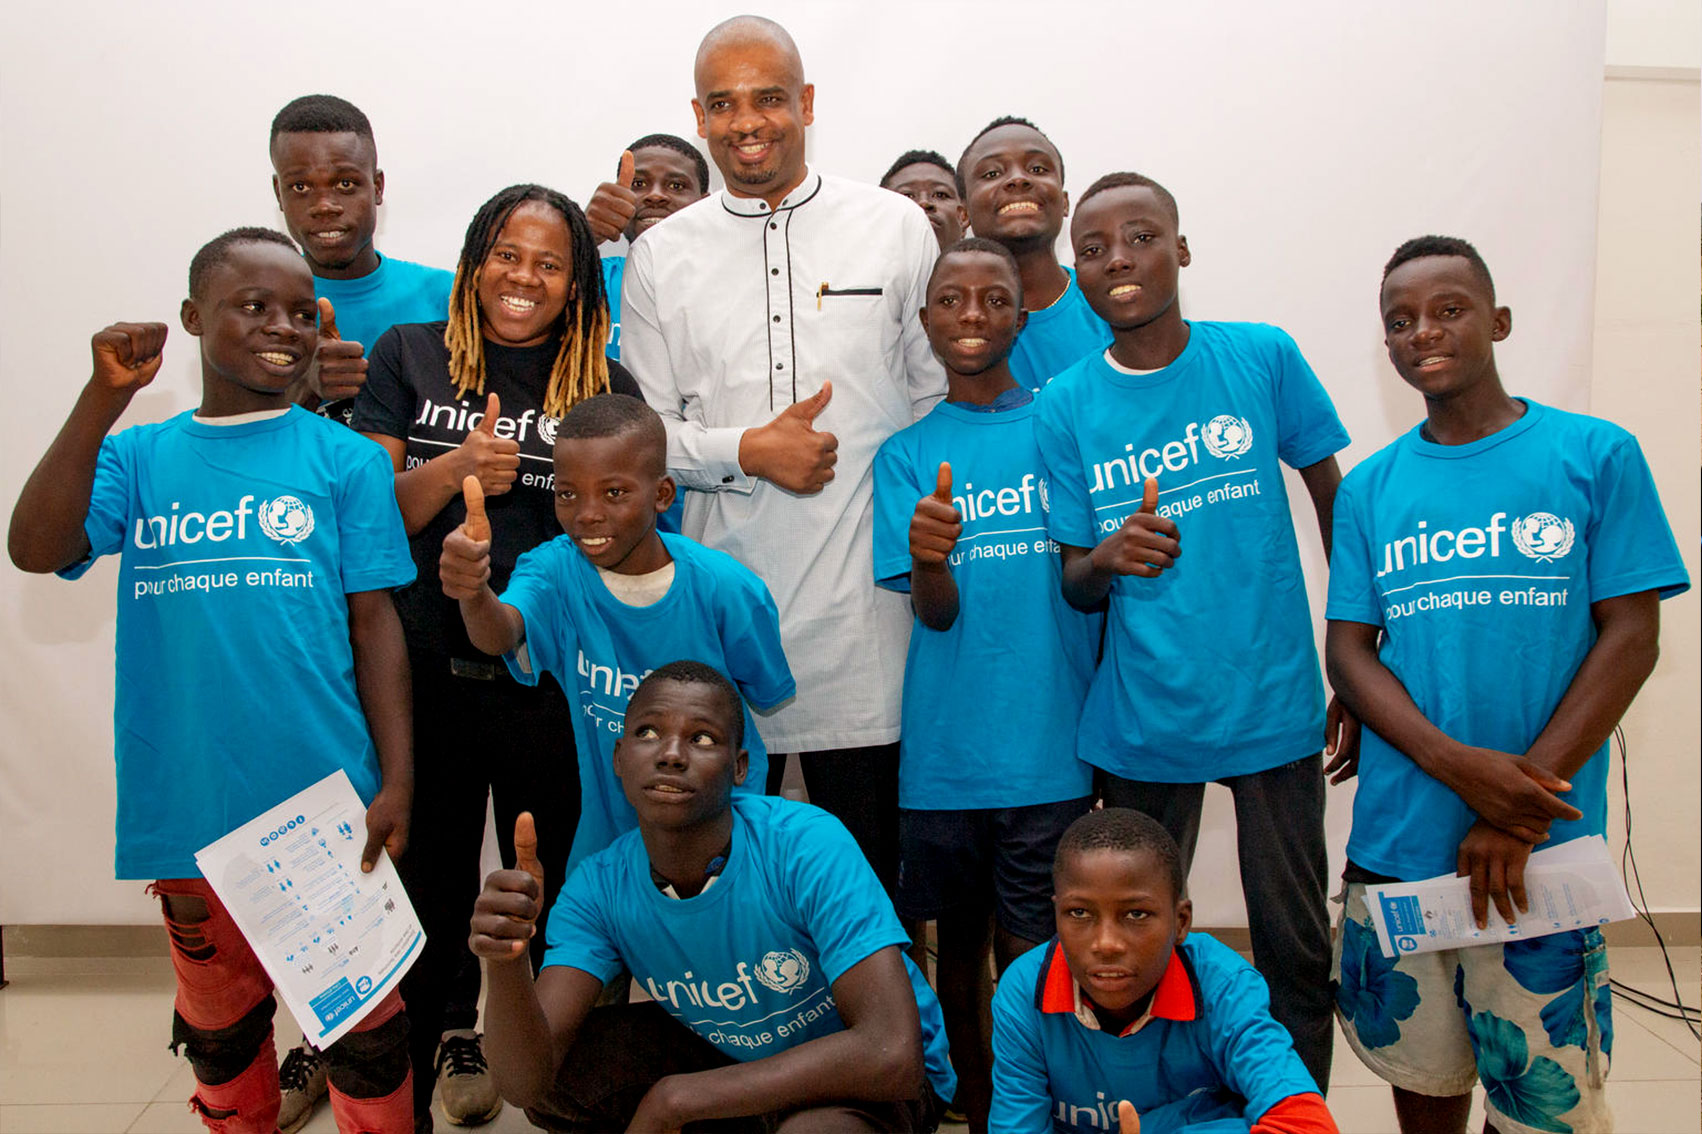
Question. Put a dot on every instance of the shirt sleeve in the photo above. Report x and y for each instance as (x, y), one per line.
(895, 503)
(386, 402)
(1353, 592)
(375, 554)
(924, 376)
(1631, 544)
(537, 589)
(108, 517)
(750, 635)
(1069, 514)
(1308, 429)
(844, 910)
(1022, 1096)
(578, 931)
(1253, 1053)
(698, 456)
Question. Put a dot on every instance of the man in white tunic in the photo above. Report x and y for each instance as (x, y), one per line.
(775, 327)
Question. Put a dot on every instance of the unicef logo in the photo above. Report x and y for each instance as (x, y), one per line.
(1045, 497)
(783, 972)
(547, 429)
(1227, 436)
(1543, 536)
(286, 519)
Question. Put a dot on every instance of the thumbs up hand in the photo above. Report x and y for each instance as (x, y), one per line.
(935, 526)
(1128, 1122)
(1145, 545)
(339, 369)
(790, 450)
(494, 460)
(613, 204)
(505, 916)
(464, 568)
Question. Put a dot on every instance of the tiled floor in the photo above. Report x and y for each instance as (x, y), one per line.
(83, 1050)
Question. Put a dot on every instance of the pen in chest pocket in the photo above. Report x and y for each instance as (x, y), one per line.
(828, 289)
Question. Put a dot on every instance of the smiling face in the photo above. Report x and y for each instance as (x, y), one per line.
(329, 187)
(526, 280)
(1128, 256)
(609, 491)
(677, 758)
(752, 106)
(665, 181)
(936, 191)
(1014, 183)
(1118, 924)
(258, 327)
(1441, 325)
(973, 313)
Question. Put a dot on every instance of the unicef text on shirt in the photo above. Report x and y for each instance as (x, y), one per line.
(1540, 536)
(1225, 436)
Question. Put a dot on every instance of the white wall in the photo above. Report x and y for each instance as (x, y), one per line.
(1303, 143)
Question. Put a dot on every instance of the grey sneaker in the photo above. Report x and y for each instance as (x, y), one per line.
(302, 1080)
(464, 1084)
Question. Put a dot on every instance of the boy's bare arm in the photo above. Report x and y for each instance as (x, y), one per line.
(1321, 480)
(934, 531)
(384, 683)
(878, 1056)
(47, 525)
(1509, 790)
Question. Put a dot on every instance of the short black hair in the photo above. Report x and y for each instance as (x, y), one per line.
(321, 114)
(1420, 247)
(617, 415)
(217, 251)
(682, 147)
(1121, 829)
(1004, 120)
(919, 157)
(1126, 180)
(689, 672)
(978, 244)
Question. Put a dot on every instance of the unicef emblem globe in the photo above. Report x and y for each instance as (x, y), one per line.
(783, 971)
(1543, 536)
(286, 519)
(547, 429)
(1227, 436)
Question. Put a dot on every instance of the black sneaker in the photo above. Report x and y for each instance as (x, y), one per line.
(302, 1082)
(464, 1084)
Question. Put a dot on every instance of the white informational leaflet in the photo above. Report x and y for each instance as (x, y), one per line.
(333, 940)
(1571, 886)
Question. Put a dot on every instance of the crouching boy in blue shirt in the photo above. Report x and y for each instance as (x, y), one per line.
(1124, 1006)
(769, 949)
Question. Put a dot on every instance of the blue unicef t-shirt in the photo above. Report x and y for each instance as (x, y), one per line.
(1480, 562)
(614, 268)
(1017, 661)
(235, 674)
(1209, 1058)
(749, 963)
(1057, 337)
(1210, 669)
(599, 648)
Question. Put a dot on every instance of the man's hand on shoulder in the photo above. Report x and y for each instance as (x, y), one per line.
(790, 451)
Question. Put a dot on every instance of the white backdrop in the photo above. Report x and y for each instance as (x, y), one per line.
(1303, 142)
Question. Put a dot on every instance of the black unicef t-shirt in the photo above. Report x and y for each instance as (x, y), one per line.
(408, 395)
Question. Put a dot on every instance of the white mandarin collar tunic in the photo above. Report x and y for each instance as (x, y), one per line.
(732, 311)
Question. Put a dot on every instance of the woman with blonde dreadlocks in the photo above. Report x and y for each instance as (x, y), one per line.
(480, 395)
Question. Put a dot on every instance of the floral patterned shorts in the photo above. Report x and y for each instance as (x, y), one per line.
(1532, 1019)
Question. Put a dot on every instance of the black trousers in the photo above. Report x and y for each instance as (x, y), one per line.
(476, 734)
(859, 787)
(1279, 837)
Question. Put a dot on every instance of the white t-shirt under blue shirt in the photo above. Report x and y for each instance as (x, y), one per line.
(1480, 562)
(992, 702)
(599, 648)
(238, 545)
(749, 963)
(1209, 669)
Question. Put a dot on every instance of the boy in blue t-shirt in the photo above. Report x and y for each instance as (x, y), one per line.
(1011, 179)
(1494, 607)
(604, 604)
(984, 788)
(326, 179)
(1124, 1009)
(1209, 670)
(927, 178)
(258, 547)
(769, 950)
